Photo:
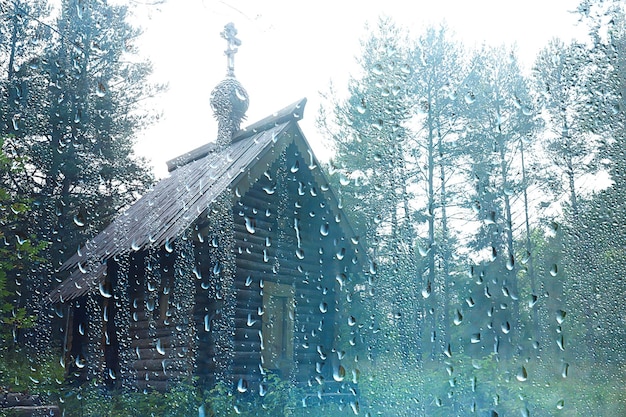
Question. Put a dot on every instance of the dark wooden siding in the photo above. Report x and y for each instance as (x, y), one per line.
(285, 233)
(268, 249)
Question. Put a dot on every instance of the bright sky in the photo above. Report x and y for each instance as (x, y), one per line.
(292, 49)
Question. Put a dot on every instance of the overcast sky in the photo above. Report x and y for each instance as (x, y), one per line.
(292, 49)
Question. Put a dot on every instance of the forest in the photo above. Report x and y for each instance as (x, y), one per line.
(490, 198)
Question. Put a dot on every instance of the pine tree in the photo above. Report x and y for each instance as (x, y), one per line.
(561, 78)
(78, 116)
(372, 164)
(500, 118)
(437, 76)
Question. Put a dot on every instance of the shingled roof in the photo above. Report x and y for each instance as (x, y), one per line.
(196, 179)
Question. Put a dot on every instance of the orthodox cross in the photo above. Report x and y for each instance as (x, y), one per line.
(229, 34)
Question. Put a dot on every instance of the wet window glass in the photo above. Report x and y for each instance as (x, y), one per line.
(225, 208)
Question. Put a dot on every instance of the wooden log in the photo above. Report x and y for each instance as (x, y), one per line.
(32, 410)
(256, 265)
(157, 365)
(150, 352)
(143, 332)
(160, 386)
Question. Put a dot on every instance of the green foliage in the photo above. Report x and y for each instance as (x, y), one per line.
(21, 372)
(72, 111)
(96, 401)
(535, 323)
(462, 385)
(69, 115)
(280, 399)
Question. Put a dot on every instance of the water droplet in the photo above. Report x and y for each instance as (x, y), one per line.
(525, 258)
(527, 110)
(470, 97)
(262, 390)
(250, 225)
(14, 120)
(323, 307)
(560, 404)
(341, 279)
(506, 327)
(80, 361)
(21, 238)
(351, 321)
(103, 291)
(250, 322)
(196, 273)
(560, 316)
(361, 107)
(522, 374)
(475, 338)
(339, 373)
(377, 69)
(378, 125)
(324, 229)
(510, 263)
(169, 247)
(561, 342)
(458, 317)
(427, 290)
(554, 270)
(295, 167)
(565, 370)
(101, 90)
(373, 267)
(159, 347)
(79, 220)
(242, 385)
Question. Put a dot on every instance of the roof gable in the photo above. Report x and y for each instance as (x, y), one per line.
(196, 179)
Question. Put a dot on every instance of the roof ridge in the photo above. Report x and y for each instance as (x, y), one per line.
(294, 111)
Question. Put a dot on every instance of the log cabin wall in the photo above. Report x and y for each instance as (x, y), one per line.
(290, 245)
(284, 236)
(158, 360)
(76, 341)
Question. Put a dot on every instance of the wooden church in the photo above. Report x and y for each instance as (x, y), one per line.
(235, 265)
